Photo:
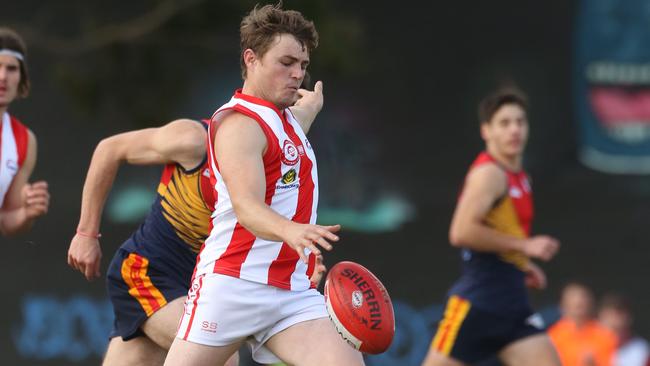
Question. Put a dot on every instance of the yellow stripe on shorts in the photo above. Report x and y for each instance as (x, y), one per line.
(455, 313)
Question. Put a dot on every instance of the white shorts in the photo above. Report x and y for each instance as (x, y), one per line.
(222, 310)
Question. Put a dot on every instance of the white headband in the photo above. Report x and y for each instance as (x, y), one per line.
(8, 52)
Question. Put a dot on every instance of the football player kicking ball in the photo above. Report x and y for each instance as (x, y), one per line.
(488, 312)
(252, 277)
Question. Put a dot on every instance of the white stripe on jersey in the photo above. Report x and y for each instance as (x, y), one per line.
(8, 157)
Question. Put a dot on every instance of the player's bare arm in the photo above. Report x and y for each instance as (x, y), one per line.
(24, 201)
(239, 148)
(308, 106)
(181, 141)
(483, 187)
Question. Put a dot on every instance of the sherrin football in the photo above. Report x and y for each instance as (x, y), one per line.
(360, 308)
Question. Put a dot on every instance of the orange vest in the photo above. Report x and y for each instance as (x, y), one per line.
(576, 346)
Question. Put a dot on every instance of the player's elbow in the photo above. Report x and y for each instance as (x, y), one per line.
(457, 236)
(107, 147)
(243, 214)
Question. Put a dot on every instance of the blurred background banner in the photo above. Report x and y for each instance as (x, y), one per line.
(612, 75)
(394, 140)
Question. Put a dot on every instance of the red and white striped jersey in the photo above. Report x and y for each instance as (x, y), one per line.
(291, 191)
(13, 150)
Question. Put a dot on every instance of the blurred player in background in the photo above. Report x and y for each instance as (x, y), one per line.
(21, 202)
(150, 273)
(252, 276)
(488, 311)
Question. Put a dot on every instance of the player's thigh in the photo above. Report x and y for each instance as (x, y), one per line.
(435, 358)
(313, 343)
(162, 325)
(139, 351)
(187, 353)
(534, 350)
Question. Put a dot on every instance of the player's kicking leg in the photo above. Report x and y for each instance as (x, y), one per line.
(292, 345)
(188, 353)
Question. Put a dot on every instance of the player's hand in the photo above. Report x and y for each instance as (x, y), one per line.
(85, 255)
(311, 99)
(307, 236)
(542, 247)
(319, 271)
(535, 277)
(36, 199)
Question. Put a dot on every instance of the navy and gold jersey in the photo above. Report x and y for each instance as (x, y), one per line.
(155, 265)
(496, 281)
(180, 214)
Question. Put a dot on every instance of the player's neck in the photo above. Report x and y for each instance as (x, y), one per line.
(251, 89)
(3, 109)
(511, 162)
(254, 90)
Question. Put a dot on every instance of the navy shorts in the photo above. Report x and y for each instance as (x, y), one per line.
(141, 284)
(468, 334)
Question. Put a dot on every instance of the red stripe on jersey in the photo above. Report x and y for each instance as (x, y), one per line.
(523, 204)
(518, 181)
(242, 240)
(22, 139)
(283, 267)
(310, 269)
(207, 192)
(196, 299)
(167, 174)
(258, 101)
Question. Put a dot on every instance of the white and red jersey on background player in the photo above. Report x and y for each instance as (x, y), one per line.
(13, 150)
(291, 191)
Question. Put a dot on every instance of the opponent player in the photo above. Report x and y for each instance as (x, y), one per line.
(20, 202)
(151, 272)
(488, 312)
(252, 276)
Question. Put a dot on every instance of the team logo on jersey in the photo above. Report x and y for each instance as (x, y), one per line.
(11, 165)
(206, 173)
(289, 153)
(289, 177)
(515, 192)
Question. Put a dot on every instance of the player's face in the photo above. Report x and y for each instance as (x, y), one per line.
(9, 79)
(507, 131)
(281, 70)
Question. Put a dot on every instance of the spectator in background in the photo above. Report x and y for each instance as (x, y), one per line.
(616, 314)
(579, 339)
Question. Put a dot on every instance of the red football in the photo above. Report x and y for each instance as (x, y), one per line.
(359, 307)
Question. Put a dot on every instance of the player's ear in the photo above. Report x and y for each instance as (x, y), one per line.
(485, 127)
(249, 57)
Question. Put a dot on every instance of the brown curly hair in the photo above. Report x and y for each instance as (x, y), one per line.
(259, 28)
